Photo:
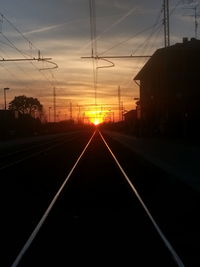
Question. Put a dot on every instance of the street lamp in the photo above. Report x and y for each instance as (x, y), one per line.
(5, 89)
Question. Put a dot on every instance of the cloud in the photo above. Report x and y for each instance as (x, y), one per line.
(43, 29)
(61, 30)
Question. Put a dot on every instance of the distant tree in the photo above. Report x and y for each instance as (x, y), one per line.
(26, 105)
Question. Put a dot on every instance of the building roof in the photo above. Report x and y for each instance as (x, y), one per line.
(172, 58)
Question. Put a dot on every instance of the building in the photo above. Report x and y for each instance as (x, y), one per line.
(7, 120)
(170, 90)
(131, 121)
(130, 117)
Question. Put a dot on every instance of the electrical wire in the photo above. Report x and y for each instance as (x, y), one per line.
(142, 31)
(93, 45)
(127, 39)
(25, 55)
(17, 30)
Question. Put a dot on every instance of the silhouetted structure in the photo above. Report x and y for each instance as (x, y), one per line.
(13, 124)
(170, 90)
(7, 119)
(130, 120)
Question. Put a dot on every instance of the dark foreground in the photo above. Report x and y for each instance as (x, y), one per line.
(97, 220)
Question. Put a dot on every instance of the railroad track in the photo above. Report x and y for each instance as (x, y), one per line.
(32, 150)
(97, 216)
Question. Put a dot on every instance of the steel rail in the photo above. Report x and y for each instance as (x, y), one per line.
(48, 210)
(31, 155)
(35, 144)
(172, 251)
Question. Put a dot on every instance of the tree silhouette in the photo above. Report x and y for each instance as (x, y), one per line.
(25, 105)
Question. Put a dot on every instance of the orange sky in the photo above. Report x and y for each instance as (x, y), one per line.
(62, 32)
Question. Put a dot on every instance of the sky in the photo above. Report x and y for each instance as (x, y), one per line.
(61, 30)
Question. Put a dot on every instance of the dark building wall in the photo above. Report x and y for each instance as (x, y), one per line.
(169, 90)
(131, 121)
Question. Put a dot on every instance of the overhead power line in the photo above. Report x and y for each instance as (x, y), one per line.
(16, 29)
(28, 57)
(196, 16)
(93, 45)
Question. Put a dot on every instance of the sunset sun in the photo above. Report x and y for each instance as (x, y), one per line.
(96, 121)
(95, 117)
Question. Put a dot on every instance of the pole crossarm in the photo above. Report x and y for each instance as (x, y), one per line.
(24, 59)
(130, 56)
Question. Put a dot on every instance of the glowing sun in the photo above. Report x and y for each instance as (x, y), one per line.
(95, 117)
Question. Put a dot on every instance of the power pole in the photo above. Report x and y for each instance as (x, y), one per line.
(196, 16)
(70, 110)
(79, 112)
(122, 110)
(119, 102)
(54, 104)
(166, 23)
(5, 89)
(49, 114)
(195, 21)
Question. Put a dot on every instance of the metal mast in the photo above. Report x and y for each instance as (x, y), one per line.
(119, 102)
(166, 23)
(54, 104)
(93, 44)
(70, 110)
(195, 21)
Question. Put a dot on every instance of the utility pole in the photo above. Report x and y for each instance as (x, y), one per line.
(119, 102)
(54, 104)
(5, 89)
(195, 21)
(196, 16)
(70, 110)
(166, 23)
(49, 114)
(79, 113)
(122, 110)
